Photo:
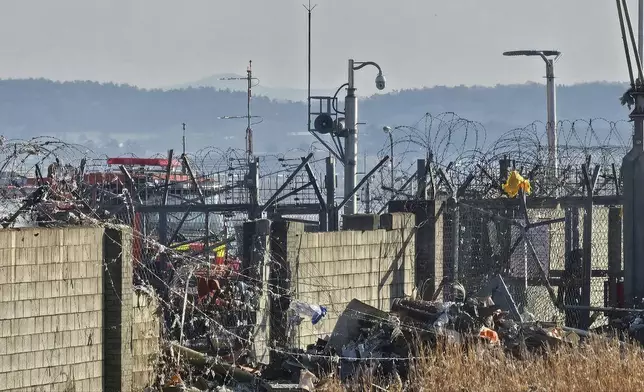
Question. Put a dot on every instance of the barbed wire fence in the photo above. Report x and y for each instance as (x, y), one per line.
(45, 182)
(492, 228)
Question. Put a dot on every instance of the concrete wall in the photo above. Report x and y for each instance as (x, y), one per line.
(145, 340)
(55, 297)
(331, 269)
(256, 266)
(430, 255)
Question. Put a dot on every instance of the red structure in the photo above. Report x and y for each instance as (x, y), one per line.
(130, 161)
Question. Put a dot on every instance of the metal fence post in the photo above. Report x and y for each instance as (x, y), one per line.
(253, 185)
(614, 255)
(421, 178)
(570, 287)
(162, 228)
(206, 242)
(451, 225)
(329, 180)
(456, 229)
(590, 179)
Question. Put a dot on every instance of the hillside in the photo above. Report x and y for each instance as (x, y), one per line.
(120, 118)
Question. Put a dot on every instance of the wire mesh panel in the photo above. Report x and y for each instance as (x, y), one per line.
(549, 246)
(541, 263)
(600, 257)
(480, 253)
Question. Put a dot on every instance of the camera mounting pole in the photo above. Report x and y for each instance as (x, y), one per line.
(351, 122)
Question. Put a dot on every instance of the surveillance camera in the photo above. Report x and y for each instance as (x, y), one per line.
(380, 82)
(387, 129)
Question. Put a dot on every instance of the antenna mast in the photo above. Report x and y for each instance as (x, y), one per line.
(249, 130)
(309, 9)
(249, 123)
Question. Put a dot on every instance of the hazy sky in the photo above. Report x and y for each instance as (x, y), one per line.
(153, 43)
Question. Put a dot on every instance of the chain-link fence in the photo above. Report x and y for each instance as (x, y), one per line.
(543, 258)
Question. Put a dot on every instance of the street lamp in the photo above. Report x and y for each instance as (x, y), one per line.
(351, 123)
(549, 57)
(388, 131)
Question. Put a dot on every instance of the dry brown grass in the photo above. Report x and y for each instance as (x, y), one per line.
(599, 366)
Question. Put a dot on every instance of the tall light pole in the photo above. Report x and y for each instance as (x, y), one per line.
(351, 121)
(389, 132)
(549, 57)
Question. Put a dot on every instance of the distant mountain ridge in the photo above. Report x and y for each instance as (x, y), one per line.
(119, 119)
(223, 82)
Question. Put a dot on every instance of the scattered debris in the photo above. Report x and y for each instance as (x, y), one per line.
(307, 380)
(369, 340)
(297, 309)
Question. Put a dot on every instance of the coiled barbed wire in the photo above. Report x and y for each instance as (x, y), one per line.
(463, 146)
(449, 141)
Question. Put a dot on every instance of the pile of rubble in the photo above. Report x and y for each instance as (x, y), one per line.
(382, 343)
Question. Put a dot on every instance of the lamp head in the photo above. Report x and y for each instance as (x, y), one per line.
(547, 53)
